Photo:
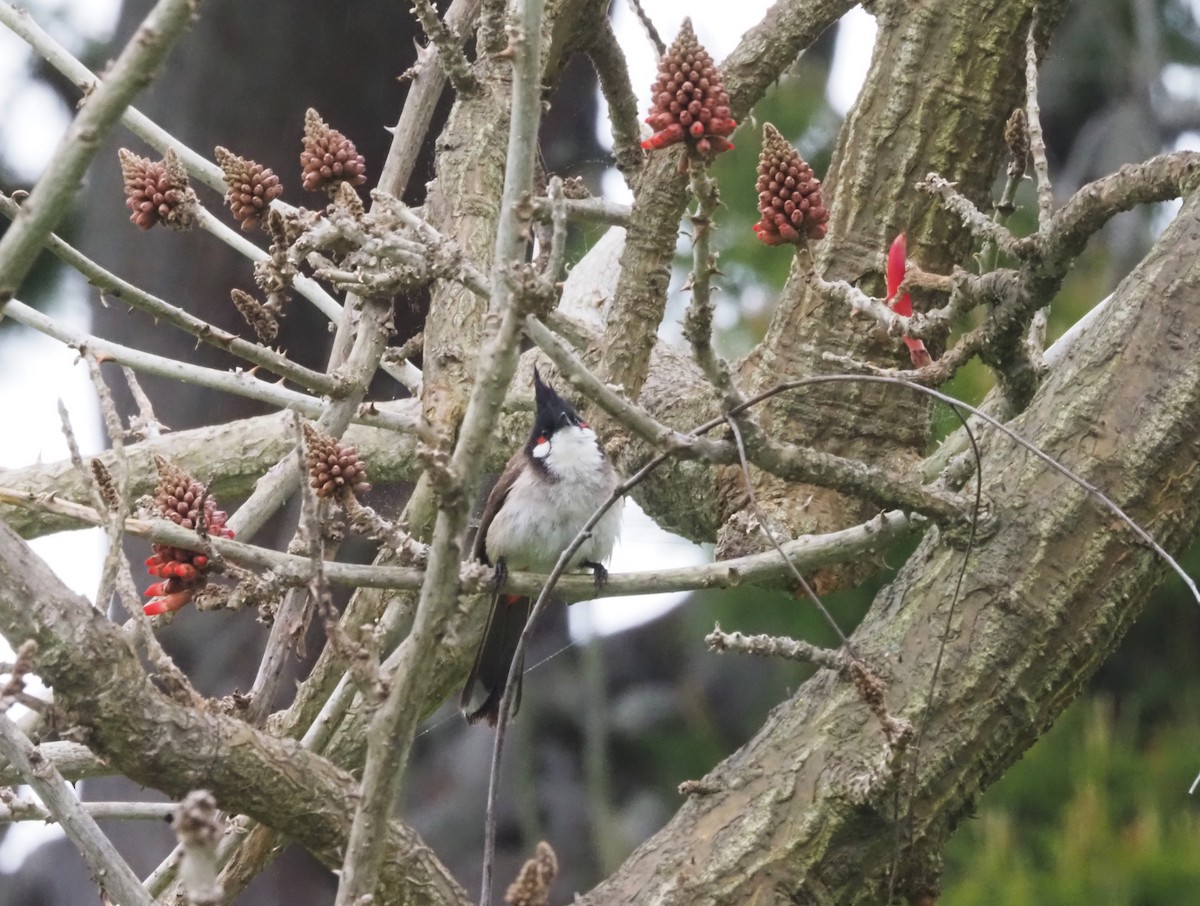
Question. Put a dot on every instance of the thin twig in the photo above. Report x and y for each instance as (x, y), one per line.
(290, 621)
(697, 322)
(588, 210)
(27, 810)
(115, 499)
(146, 425)
(775, 646)
(450, 56)
(765, 525)
(240, 383)
(978, 223)
(427, 79)
(652, 34)
(612, 71)
(62, 177)
(80, 827)
(74, 761)
(157, 308)
(851, 296)
(1037, 144)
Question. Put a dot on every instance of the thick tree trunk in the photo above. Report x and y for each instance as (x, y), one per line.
(808, 811)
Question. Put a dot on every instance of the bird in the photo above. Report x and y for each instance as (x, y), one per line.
(547, 492)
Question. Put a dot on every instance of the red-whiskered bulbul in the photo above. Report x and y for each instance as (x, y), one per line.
(547, 492)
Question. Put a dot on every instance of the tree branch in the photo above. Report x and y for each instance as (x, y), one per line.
(60, 181)
(111, 872)
(172, 746)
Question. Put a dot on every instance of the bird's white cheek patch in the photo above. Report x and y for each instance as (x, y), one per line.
(541, 450)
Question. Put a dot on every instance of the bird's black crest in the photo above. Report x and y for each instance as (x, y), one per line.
(552, 412)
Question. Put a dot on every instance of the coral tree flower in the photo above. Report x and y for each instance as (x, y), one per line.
(897, 266)
(689, 102)
(789, 194)
(184, 501)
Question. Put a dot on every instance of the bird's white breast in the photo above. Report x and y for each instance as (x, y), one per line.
(545, 510)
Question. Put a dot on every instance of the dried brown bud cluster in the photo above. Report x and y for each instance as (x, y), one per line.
(252, 187)
(261, 317)
(1016, 137)
(789, 194)
(328, 156)
(335, 468)
(157, 191)
(533, 883)
(184, 501)
(689, 101)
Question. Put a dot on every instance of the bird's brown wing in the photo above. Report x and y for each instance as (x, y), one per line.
(496, 500)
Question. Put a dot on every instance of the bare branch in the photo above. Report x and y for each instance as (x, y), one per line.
(25, 810)
(60, 180)
(973, 219)
(428, 79)
(612, 71)
(97, 851)
(450, 56)
(72, 760)
(157, 308)
(697, 322)
(589, 210)
(1037, 144)
(240, 383)
(776, 646)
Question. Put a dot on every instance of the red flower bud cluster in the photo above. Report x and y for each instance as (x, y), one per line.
(328, 157)
(689, 101)
(334, 468)
(251, 187)
(789, 194)
(183, 500)
(157, 191)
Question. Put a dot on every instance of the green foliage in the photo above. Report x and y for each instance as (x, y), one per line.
(1097, 812)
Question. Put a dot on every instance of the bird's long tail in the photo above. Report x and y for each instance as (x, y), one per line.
(485, 685)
